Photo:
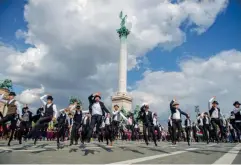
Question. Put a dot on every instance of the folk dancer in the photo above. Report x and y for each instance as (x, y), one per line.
(188, 128)
(214, 112)
(200, 123)
(97, 110)
(85, 127)
(50, 114)
(156, 126)
(176, 113)
(25, 124)
(108, 130)
(237, 115)
(206, 127)
(62, 125)
(13, 114)
(116, 121)
(147, 118)
(77, 121)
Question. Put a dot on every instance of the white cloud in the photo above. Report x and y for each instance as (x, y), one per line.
(76, 48)
(195, 84)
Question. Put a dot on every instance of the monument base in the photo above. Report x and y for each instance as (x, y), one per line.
(122, 100)
(5, 92)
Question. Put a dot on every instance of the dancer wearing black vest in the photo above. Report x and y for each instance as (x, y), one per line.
(188, 128)
(237, 114)
(215, 114)
(50, 113)
(176, 113)
(85, 127)
(147, 118)
(116, 121)
(108, 130)
(13, 114)
(156, 126)
(77, 120)
(62, 126)
(206, 127)
(25, 124)
(97, 111)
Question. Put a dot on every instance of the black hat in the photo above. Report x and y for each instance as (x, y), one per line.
(96, 96)
(50, 98)
(12, 94)
(78, 106)
(205, 113)
(232, 112)
(116, 105)
(236, 103)
(215, 102)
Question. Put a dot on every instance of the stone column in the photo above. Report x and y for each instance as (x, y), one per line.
(123, 65)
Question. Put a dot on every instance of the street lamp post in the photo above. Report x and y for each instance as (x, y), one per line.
(197, 110)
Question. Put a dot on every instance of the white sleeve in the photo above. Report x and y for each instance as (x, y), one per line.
(42, 99)
(2, 100)
(55, 111)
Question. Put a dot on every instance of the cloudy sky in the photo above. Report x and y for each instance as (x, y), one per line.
(187, 49)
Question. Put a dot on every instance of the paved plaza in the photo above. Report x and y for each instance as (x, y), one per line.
(122, 153)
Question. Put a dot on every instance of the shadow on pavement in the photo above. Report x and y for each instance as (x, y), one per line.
(132, 150)
(42, 146)
(103, 147)
(88, 151)
(154, 149)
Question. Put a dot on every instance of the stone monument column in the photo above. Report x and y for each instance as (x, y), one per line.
(122, 98)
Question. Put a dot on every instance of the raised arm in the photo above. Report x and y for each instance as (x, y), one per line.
(2, 100)
(210, 102)
(90, 98)
(171, 107)
(42, 99)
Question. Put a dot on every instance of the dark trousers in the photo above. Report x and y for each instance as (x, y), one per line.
(115, 126)
(232, 134)
(84, 132)
(61, 130)
(158, 132)
(215, 123)
(176, 125)
(95, 120)
(194, 132)
(75, 133)
(12, 119)
(151, 132)
(206, 131)
(188, 132)
(238, 127)
(136, 133)
(24, 129)
(40, 125)
(108, 134)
